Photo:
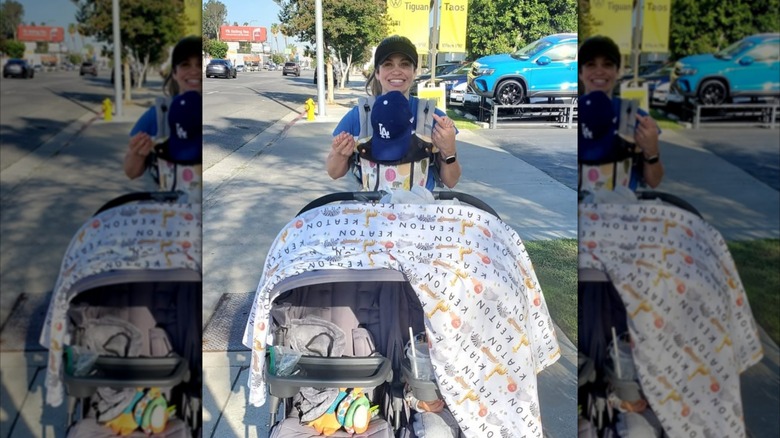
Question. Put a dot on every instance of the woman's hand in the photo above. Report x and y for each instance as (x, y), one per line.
(444, 135)
(138, 149)
(341, 149)
(646, 135)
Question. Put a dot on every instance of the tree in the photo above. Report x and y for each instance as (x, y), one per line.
(11, 13)
(216, 49)
(214, 15)
(349, 27)
(72, 33)
(706, 26)
(274, 32)
(14, 49)
(148, 28)
(501, 26)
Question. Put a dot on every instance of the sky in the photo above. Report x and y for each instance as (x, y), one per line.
(52, 12)
(257, 13)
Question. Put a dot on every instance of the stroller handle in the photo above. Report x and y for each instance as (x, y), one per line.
(376, 196)
(140, 196)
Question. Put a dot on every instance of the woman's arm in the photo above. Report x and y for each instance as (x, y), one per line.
(138, 149)
(646, 136)
(444, 139)
(342, 148)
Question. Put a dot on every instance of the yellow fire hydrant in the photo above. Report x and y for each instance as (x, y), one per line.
(310, 109)
(108, 110)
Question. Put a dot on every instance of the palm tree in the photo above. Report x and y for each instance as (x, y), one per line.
(275, 31)
(72, 33)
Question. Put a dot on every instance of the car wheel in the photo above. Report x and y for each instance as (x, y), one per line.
(510, 92)
(713, 92)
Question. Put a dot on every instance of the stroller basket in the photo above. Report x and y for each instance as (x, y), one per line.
(128, 372)
(331, 372)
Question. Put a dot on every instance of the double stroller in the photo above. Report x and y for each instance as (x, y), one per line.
(122, 328)
(347, 285)
(665, 327)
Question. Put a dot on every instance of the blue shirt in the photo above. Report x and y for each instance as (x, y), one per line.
(148, 123)
(351, 123)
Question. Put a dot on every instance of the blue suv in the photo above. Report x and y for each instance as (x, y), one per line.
(545, 68)
(750, 67)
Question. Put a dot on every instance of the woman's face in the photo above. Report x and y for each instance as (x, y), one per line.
(396, 74)
(599, 74)
(188, 74)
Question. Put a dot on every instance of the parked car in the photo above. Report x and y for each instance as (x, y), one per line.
(18, 68)
(270, 66)
(748, 67)
(240, 67)
(291, 68)
(88, 68)
(657, 81)
(441, 69)
(545, 68)
(457, 77)
(221, 68)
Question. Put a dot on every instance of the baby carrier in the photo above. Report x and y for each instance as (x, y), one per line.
(374, 173)
(172, 174)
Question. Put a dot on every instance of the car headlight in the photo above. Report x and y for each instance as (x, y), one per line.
(683, 70)
(482, 71)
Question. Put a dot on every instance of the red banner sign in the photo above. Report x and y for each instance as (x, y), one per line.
(40, 33)
(242, 33)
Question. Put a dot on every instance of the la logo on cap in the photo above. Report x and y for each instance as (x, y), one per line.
(384, 133)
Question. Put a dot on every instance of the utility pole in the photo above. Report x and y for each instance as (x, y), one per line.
(320, 59)
(117, 58)
(434, 41)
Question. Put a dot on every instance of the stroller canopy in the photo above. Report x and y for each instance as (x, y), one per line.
(484, 309)
(688, 315)
(145, 242)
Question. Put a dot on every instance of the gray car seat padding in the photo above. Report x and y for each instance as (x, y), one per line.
(384, 310)
(167, 314)
(313, 336)
(90, 428)
(290, 428)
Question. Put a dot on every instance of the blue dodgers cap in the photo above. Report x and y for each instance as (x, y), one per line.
(185, 119)
(597, 127)
(392, 122)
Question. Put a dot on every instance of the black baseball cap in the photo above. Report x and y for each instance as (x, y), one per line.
(186, 48)
(394, 44)
(598, 46)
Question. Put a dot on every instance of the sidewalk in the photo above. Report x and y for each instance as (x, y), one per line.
(45, 197)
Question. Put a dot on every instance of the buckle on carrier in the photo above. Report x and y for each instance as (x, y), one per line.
(419, 149)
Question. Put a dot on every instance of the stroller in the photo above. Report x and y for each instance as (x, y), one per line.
(122, 328)
(346, 287)
(665, 327)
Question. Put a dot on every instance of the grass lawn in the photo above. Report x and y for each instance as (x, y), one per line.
(462, 122)
(665, 123)
(555, 263)
(758, 263)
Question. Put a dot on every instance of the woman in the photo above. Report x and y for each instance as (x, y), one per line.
(395, 63)
(599, 64)
(185, 76)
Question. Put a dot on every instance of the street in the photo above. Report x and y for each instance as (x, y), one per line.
(237, 110)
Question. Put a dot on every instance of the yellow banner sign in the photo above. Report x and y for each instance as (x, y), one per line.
(409, 18)
(612, 18)
(452, 34)
(655, 31)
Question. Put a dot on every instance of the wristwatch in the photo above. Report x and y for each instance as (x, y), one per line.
(653, 159)
(451, 159)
